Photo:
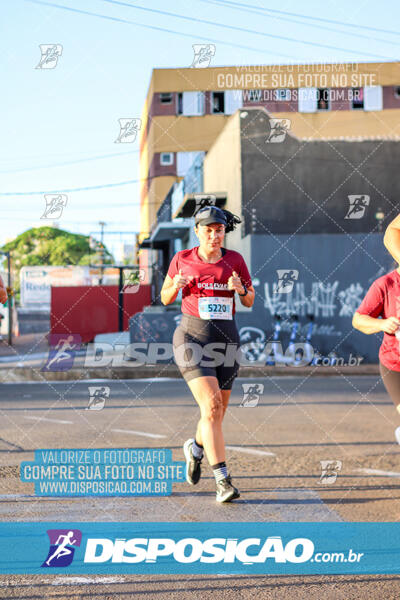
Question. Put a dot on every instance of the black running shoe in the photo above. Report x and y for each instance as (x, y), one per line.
(193, 464)
(226, 491)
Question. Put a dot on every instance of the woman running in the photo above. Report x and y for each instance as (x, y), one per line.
(209, 275)
(380, 311)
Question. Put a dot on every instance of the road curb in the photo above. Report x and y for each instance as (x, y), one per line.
(21, 374)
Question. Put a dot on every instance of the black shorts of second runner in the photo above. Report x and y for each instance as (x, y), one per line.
(194, 330)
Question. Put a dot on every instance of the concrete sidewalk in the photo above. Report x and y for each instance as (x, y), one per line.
(24, 345)
(10, 373)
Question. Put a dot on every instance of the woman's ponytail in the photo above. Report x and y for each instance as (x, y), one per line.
(232, 220)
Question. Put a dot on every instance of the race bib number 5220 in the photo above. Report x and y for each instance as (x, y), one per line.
(215, 307)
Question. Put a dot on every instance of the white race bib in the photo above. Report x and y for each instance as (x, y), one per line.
(215, 307)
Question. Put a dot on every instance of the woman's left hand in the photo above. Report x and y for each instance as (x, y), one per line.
(235, 283)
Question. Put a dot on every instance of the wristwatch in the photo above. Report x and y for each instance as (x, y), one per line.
(245, 290)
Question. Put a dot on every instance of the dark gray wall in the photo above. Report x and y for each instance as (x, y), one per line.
(303, 186)
(334, 273)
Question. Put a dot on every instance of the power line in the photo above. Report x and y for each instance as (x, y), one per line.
(241, 29)
(81, 189)
(89, 187)
(107, 204)
(153, 27)
(261, 11)
(71, 162)
(321, 19)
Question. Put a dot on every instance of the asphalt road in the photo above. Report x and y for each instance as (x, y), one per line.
(274, 451)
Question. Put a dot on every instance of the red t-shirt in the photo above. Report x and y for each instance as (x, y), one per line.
(383, 300)
(208, 279)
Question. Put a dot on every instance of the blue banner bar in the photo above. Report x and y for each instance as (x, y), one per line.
(199, 548)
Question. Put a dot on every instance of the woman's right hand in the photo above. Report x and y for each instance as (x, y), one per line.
(390, 325)
(180, 280)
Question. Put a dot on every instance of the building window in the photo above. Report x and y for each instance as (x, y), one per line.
(217, 102)
(233, 100)
(323, 99)
(373, 97)
(308, 99)
(283, 95)
(166, 159)
(184, 161)
(357, 102)
(255, 96)
(397, 92)
(166, 97)
(190, 104)
(179, 108)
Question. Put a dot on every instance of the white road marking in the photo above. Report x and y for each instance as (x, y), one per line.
(249, 450)
(85, 580)
(379, 472)
(84, 381)
(68, 581)
(302, 505)
(143, 433)
(140, 380)
(10, 496)
(50, 420)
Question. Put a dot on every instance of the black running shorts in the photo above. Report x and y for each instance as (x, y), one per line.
(207, 347)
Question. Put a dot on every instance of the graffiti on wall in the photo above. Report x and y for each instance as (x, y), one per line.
(324, 300)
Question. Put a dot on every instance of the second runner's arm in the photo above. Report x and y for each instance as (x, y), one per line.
(392, 238)
(368, 325)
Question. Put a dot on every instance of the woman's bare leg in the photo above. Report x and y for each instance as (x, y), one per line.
(225, 401)
(212, 409)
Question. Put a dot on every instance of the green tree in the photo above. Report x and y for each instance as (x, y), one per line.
(56, 247)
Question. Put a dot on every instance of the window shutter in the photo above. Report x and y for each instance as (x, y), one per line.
(233, 101)
(193, 104)
(373, 97)
(307, 99)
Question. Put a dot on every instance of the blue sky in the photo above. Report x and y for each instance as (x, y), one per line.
(58, 126)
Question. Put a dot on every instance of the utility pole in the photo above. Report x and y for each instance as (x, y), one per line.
(10, 323)
(102, 225)
(9, 300)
